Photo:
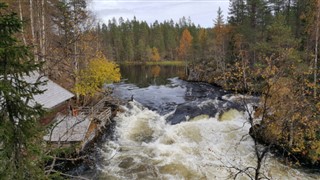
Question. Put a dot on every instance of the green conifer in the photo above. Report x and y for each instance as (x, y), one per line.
(20, 133)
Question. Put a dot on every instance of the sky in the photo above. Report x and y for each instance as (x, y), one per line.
(202, 12)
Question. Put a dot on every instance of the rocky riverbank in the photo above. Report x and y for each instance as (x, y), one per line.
(304, 153)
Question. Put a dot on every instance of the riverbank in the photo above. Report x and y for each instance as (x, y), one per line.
(295, 138)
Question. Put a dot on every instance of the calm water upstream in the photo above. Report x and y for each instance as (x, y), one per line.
(179, 130)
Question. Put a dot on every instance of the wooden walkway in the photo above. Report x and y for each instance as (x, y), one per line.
(100, 112)
(100, 117)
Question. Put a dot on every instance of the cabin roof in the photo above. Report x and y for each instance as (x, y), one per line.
(68, 129)
(53, 95)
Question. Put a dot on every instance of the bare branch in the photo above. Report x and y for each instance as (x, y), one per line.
(67, 175)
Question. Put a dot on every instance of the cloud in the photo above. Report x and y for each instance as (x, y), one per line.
(115, 11)
(200, 11)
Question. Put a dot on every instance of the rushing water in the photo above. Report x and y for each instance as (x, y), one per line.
(179, 130)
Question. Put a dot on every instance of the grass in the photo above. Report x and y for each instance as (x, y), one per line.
(164, 63)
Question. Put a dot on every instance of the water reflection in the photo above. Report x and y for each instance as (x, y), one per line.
(146, 75)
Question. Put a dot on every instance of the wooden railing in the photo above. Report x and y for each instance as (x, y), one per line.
(100, 111)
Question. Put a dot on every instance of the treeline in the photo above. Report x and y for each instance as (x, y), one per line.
(271, 48)
(138, 41)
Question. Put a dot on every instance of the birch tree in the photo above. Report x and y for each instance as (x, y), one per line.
(33, 38)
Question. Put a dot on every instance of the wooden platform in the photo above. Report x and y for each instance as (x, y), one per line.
(83, 127)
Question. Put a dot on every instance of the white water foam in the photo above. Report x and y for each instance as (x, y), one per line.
(146, 147)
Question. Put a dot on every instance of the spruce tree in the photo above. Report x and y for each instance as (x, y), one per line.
(237, 12)
(20, 133)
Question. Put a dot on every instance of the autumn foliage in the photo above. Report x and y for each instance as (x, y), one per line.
(155, 56)
(258, 52)
(98, 72)
(185, 44)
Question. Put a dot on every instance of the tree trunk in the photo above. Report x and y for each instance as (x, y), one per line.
(22, 28)
(186, 67)
(244, 66)
(32, 31)
(288, 11)
(224, 63)
(43, 33)
(258, 167)
(253, 14)
(316, 50)
(291, 134)
(75, 53)
(39, 31)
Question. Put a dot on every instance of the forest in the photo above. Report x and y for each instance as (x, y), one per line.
(137, 41)
(268, 48)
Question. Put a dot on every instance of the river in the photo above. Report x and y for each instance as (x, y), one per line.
(180, 130)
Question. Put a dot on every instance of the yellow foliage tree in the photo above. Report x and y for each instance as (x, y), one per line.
(155, 54)
(98, 72)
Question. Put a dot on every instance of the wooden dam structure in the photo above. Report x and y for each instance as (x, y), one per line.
(81, 127)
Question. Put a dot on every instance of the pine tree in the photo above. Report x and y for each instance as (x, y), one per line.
(20, 133)
(169, 40)
(204, 43)
(219, 20)
(280, 40)
(237, 12)
(157, 38)
(116, 39)
(128, 41)
(220, 31)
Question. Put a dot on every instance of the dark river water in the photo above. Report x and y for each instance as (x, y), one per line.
(173, 129)
(149, 75)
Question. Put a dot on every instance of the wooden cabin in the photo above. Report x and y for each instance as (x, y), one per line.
(54, 98)
(69, 125)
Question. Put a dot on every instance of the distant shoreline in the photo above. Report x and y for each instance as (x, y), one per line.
(164, 63)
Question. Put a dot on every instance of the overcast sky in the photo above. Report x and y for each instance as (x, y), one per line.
(202, 12)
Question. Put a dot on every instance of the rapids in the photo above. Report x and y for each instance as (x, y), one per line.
(208, 141)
